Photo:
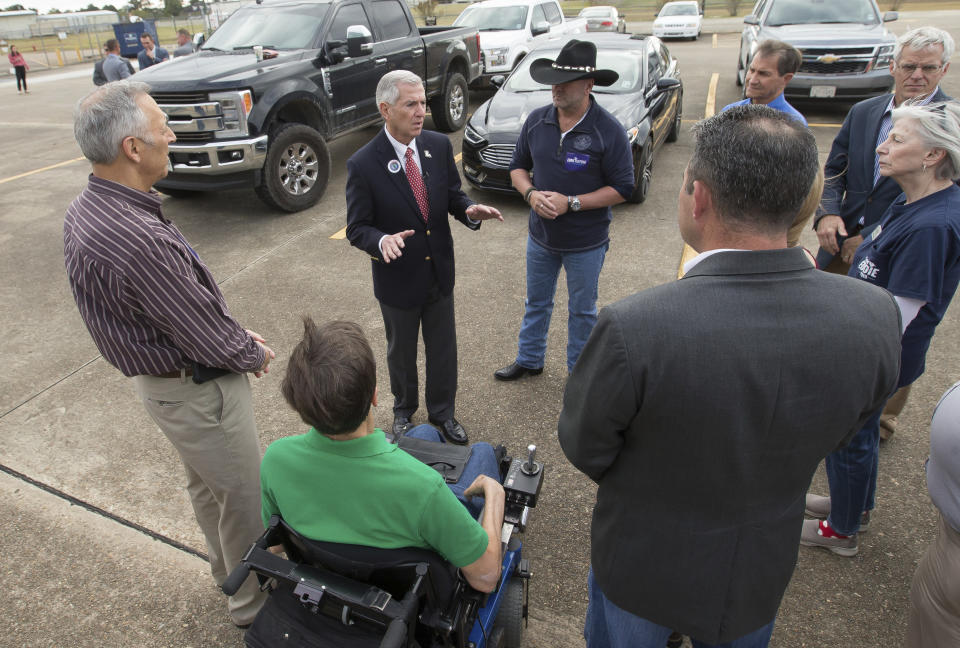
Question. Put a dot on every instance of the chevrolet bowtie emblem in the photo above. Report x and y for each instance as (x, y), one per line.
(828, 58)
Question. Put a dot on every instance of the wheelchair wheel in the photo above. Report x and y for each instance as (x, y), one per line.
(510, 618)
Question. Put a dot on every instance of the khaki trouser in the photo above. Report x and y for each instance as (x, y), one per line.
(935, 594)
(213, 429)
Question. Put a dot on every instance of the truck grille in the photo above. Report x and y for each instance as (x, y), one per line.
(498, 155)
(179, 97)
(846, 51)
(840, 67)
(184, 138)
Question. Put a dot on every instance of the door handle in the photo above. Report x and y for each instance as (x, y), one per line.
(380, 61)
(418, 51)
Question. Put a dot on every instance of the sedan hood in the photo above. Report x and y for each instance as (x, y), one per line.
(505, 113)
(212, 69)
(825, 35)
(687, 21)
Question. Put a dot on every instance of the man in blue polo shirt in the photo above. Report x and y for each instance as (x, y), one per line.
(772, 67)
(582, 161)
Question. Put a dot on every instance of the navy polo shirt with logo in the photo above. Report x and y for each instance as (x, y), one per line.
(915, 253)
(594, 154)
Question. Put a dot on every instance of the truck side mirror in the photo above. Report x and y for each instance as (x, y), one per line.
(890, 16)
(540, 28)
(751, 20)
(198, 39)
(430, 21)
(359, 41)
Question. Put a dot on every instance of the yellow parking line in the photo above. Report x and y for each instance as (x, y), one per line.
(46, 168)
(342, 234)
(711, 96)
(714, 40)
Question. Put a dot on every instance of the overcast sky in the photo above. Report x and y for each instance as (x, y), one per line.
(44, 6)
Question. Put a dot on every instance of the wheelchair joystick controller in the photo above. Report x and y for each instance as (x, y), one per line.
(530, 467)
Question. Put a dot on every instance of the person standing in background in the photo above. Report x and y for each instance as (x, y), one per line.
(20, 67)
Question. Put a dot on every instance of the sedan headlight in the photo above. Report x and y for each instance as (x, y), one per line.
(473, 136)
(632, 134)
(884, 56)
(498, 55)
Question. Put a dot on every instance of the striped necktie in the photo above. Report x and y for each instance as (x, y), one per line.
(416, 183)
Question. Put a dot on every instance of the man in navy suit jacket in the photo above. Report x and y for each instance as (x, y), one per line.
(401, 186)
(855, 195)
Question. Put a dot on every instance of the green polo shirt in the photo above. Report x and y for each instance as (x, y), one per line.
(368, 492)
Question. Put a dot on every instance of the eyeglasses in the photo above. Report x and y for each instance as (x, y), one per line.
(910, 68)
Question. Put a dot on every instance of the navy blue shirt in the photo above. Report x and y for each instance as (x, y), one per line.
(915, 253)
(594, 154)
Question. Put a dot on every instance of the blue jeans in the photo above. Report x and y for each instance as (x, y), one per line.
(543, 268)
(852, 474)
(482, 461)
(608, 626)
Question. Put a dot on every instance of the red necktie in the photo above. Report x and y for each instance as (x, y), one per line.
(416, 183)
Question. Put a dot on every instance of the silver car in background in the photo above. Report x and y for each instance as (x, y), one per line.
(603, 18)
(846, 47)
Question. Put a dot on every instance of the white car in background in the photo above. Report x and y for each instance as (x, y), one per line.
(678, 20)
(603, 18)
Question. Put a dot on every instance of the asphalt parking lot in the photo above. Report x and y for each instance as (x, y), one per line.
(71, 423)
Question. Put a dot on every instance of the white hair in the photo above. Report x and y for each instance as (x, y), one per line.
(388, 90)
(939, 126)
(106, 116)
(923, 37)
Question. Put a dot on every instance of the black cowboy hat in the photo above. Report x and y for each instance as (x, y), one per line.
(577, 60)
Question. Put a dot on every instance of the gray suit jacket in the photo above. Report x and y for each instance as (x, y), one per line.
(701, 408)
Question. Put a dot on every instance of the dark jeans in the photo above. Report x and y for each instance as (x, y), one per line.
(21, 77)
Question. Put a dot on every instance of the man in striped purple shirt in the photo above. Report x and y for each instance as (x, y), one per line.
(156, 314)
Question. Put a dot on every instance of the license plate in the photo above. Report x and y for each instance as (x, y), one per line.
(823, 91)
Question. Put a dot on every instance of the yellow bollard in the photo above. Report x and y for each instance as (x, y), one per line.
(59, 57)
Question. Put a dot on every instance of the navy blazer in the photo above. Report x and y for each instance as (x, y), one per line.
(381, 202)
(848, 190)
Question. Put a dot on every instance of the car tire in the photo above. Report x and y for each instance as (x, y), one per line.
(642, 173)
(297, 169)
(740, 71)
(449, 108)
(674, 133)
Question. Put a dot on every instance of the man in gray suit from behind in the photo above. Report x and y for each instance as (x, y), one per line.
(702, 407)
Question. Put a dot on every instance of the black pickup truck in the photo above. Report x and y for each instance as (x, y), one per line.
(257, 103)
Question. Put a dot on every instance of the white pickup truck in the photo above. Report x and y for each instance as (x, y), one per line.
(509, 29)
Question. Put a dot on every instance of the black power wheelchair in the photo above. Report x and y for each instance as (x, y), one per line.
(331, 595)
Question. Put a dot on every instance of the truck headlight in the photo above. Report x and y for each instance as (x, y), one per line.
(498, 55)
(236, 107)
(884, 55)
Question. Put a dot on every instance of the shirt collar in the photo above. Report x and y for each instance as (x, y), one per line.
(149, 201)
(401, 149)
(365, 446)
(922, 102)
(689, 265)
(551, 116)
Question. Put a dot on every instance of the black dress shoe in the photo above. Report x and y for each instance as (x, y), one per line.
(452, 429)
(514, 371)
(400, 426)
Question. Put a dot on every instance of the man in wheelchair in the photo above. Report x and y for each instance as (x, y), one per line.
(349, 503)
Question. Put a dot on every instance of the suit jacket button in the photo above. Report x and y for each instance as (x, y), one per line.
(426, 258)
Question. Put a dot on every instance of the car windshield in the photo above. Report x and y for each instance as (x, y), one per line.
(626, 63)
(281, 28)
(492, 18)
(805, 12)
(678, 10)
(595, 12)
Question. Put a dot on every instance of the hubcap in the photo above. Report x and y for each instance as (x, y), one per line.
(456, 103)
(298, 169)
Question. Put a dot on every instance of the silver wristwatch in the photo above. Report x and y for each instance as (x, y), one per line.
(573, 202)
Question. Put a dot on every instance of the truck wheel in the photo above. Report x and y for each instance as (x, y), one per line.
(642, 172)
(297, 169)
(449, 108)
(510, 617)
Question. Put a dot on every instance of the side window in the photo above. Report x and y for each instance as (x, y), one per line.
(347, 15)
(552, 12)
(664, 59)
(537, 16)
(392, 19)
(654, 69)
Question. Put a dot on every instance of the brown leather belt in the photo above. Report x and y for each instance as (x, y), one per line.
(176, 374)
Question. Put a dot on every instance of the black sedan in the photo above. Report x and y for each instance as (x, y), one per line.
(647, 99)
